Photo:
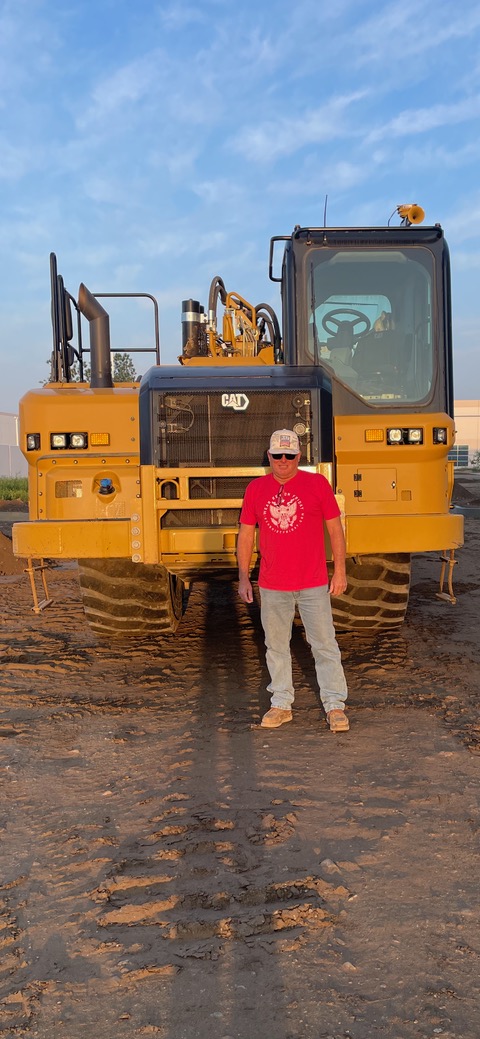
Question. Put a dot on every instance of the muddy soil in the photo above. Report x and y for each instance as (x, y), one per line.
(170, 869)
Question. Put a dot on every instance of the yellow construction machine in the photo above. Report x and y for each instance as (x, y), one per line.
(143, 482)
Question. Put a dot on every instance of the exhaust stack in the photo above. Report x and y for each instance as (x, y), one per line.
(100, 360)
(194, 340)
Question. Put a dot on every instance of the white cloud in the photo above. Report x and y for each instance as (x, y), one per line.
(148, 98)
(420, 120)
(180, 162)
(127, 85)
(464, 223)
(29, 41)
(262, 50)
(181, 240)
(398, 31)
(467, 261)
(179, 15)
(107, 190)
(24, 228)
(315, 180)
(128, 274)
(16, 161)
(286, 135)
(432, 156)
(221, 192)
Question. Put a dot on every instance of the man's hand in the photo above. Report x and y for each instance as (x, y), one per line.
(338, 584)
(245, 589)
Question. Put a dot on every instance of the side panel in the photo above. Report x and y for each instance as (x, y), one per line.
(397, 496)
(75, 539)
(80, 499)
(379, 535)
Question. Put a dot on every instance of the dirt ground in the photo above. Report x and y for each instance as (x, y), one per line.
(170, 869)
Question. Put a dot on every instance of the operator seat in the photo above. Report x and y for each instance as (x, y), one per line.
(380, 352)
(341, 344)
(382, 361)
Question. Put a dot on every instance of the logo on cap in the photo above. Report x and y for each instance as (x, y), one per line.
(284, 440)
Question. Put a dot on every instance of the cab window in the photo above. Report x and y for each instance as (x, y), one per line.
(370, 319)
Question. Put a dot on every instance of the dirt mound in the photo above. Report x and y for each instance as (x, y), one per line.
(466, 492)
(8, 563)
(13, 505)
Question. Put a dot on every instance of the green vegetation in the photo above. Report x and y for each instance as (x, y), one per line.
(123, 370)
(13, 488)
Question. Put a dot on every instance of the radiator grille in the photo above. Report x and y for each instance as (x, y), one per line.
(200, 428)
(200, 518)
(218, 486)
(209, 487)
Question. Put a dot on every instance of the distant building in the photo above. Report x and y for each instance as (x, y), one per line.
(467, 425)
(12, 462)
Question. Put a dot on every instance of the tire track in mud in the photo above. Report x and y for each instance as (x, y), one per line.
(132, 925)
(241, 906)
(174, 870)
(144, 875)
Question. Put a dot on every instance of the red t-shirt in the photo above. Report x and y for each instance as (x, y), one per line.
(290, 517)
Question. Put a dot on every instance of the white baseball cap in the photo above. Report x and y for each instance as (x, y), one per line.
(284, 440)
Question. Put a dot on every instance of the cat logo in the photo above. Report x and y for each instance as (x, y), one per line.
(237, 401)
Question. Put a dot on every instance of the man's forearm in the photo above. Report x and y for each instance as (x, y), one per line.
(338, 584)
(337, 541)
(244, 550)
(245, 541)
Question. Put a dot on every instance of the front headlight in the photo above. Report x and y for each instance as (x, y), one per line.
(415, 436)
(58, 440)
(395, 436)
(78, 439)
(440, 435)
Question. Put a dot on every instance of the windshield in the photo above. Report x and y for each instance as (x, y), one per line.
(370, 318)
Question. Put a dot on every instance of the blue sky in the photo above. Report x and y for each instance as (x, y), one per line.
(154, 145)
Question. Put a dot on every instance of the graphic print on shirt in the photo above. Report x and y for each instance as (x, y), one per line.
(284, 516)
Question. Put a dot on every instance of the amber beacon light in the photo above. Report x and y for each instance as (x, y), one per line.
(411, 214)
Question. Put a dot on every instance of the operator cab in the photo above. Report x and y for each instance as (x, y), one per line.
(370, 318)
(371, 305)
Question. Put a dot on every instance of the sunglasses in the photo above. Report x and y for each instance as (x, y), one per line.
(277, 457)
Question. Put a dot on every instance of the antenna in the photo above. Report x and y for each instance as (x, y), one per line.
(325, 212)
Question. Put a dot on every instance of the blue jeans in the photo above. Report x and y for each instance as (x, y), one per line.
(277, 613)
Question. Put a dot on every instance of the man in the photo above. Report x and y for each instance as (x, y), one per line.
(290, 507)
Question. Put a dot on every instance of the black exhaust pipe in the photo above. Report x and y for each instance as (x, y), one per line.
(100, 360)
(194, 340)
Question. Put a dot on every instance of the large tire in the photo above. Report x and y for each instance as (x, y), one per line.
(377, 594)
(122, 599)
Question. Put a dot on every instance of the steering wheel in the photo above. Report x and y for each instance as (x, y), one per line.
(331, 319)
